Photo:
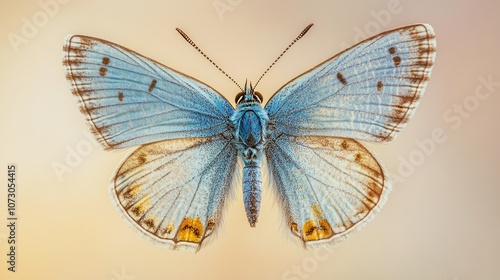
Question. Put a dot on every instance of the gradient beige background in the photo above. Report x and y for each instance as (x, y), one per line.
(441, 222)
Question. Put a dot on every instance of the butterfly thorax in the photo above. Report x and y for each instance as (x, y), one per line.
(250, 122)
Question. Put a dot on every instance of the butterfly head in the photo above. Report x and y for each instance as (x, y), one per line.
(248, 95)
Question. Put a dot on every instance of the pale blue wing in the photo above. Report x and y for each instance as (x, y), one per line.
(328, 187)
(173, 191)
(129, 99)
(367, 92)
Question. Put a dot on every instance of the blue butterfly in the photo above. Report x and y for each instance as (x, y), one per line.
(173, 188)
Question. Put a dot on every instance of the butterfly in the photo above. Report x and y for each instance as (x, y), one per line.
(192, 142)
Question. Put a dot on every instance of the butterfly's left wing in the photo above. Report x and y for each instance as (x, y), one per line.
(329, 187)
(367, 92)
(129, 99)
(172, 192)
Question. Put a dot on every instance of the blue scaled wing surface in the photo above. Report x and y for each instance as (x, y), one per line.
(171, 189)
(129, 99)
(329, 185)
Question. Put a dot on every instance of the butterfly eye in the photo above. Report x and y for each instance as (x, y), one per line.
(239, 97)
(258, 97)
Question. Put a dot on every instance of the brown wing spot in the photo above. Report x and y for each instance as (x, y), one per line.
(392, 50)
(344, 145)
(358, 158)
(136, 211)
(376, 189)
(105, 60)
(362, 211)
(102, 71)
(406, 100)
(398, 116)
(152, 85)
(341, 78)
(149, 223)
(142, 159)
(190, 230)
(380, 85)
(313, 230)
(397, 60)
(71, 61)
(140, 209)
(120, 96)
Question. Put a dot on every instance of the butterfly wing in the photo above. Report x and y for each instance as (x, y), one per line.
(367, 92)
(329, 187)
(173, 191)
(129, 99)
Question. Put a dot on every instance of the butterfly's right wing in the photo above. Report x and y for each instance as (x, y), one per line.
(173, 192)
(367, 92)
(129, 99)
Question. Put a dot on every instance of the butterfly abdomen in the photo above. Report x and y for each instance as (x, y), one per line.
(252, 182)
(250, 122)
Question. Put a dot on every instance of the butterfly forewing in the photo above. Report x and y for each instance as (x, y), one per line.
(173, 191)
(367, 92)
(129, 99)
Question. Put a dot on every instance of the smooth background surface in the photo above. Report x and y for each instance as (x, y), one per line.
(441, 221)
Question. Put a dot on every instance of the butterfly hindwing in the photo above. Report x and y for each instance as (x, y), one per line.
(328, 187)
(173, 191)
(367, 92)
(129, 99)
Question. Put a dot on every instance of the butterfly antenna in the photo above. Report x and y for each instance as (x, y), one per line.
(291, 44)
(186, 37)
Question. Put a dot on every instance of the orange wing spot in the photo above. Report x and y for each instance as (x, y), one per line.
(294, 228)
(102, 71)
(191, 230)
(392, 50)
(131, 191)
(120, 96)
(317, 211)
(210, 225)
(313, 230)
(140, 209)
(105, 60)
(168, 229)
